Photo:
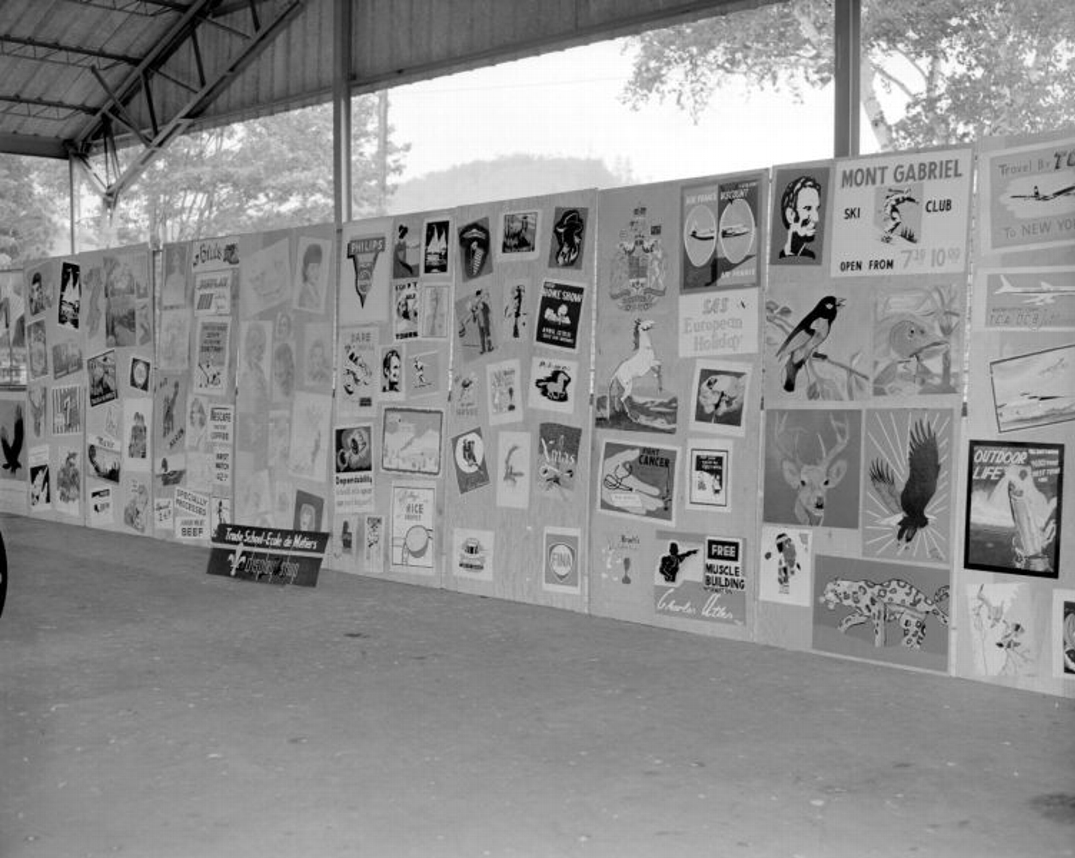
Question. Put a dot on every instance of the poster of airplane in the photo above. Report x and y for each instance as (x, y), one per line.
(1035, 389)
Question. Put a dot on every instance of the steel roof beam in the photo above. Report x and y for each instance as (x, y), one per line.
(30, 144)
(47, 51)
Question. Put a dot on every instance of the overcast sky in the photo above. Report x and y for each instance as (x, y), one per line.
(567, 103)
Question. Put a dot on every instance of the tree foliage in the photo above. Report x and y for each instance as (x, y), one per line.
(31, 214)
(961, 69)
(253, 176)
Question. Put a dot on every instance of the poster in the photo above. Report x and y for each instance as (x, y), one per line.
(558, 460)
(212, 293)
(266, 278)
(476, 323)
(880, 610)
(314, 257)
(309, 511)
(102, 377)
(434, 304)
(638, 481)
(1002, 629)
(371, 543)
(1014, 497)
(709, 475)
(699, 578)
(211, 350)
(1025, 299)
(554, 384)
(424, 375)
(638, 274)
(720, 234)
(475, 249)
(392, 378)
(412, 441)
(436, 247)
(473, 553)
(637, 398)
(1028, 196)
(67, 410)
(311, 416)
(561, 560)
(901, 214)
(471, 466)
(800, 195)
(1063, 635)
(358, 369)
(559, 315)
(70, 304)
(513, 470)
(364, 275)
(504, 389)
(40, 484)
(719, 393)
(712, 325)
(413, 511)
(173, 344)
(1035, 389)
(812, 468)
(908, 459)
(405, 310)
(918, 340)
(568, 235)
(786, 565)
(519, 238)
(67, 497)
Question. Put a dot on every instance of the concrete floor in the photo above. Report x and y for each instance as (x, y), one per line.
(149, 709)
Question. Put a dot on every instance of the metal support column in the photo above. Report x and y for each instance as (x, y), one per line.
(72, 196)
(341, 112)
(848, 75)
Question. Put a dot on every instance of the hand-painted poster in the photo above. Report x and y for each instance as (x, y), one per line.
(309, 511)
(40, 485)
(392, 379)
(68, 493)
(562, 560)
(638, 271)
(413, 511)
(817, 346)
(311, 284)
(881, 611)
(812, 468)
(265, 276)
(1028, 196)
(70, 296)
(568, 237)
(424, 375)
(553, 384)
(709, 475)
(475, 249)
(637, 398)
(358, 369)
(1063, 636)
(1003, 629)
(559, 315)
(37, 354)
(638, 481)
(558, 460)
(720, 234)
(212, 293)
(1025, 299)
(700, 578)
(909, 466)
(800, 198)
(211, 350)
(519, 235)
(412, 441)
(436, 247)
(311, 415)
(102, 372)
(476, 323)
(901, 214)
(405, 310)
(354, 469)
(715, 325)
(1035, 389)
(504, 389)
(918, 340)
(473, 553)
(513, 470)
(471, 467)
(364, 273)
(434, 304)
(719, 393)
(786, 565)
(67, 410)
(1014, 496)
(12, 441)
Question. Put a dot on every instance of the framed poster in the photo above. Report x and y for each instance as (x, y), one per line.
(1014, 492)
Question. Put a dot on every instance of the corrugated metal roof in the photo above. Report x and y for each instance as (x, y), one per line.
(64, 62)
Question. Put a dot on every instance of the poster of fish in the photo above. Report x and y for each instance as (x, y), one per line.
(1014, 500)
(918, 340)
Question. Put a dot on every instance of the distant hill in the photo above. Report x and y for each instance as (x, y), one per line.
(502, 178)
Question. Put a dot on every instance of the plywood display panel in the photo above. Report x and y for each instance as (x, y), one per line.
(1016, 512)
(388, 469)
(519, 431)
(863, 376)
(674, 481)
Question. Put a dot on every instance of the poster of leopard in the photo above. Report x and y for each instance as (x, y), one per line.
(881, 611)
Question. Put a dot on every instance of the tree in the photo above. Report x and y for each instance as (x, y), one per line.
(31, 217)
(249, 177)
(962, 68)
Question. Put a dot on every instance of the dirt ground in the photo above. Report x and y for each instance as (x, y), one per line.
(149, 709)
